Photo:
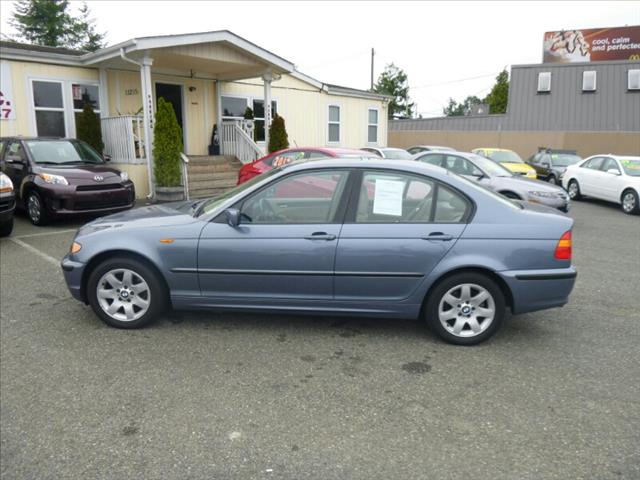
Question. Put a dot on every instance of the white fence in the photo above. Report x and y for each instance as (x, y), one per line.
(236, 139)
(123, 138)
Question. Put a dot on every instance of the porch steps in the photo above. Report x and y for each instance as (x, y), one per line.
(212, 175)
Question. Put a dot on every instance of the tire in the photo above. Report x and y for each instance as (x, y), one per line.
(552, 180)
(457, 325)
(6, 228)
(35, 208)
(629, 202)
(142, 286)
(573, 189)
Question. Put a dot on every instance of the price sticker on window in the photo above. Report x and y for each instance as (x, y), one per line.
(387, 198)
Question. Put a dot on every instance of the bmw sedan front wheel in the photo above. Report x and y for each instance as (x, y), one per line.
(465, 309)
(125, 293)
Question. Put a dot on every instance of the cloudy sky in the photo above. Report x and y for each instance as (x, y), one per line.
(448, 49)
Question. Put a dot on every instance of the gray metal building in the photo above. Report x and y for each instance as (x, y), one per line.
(591, 107)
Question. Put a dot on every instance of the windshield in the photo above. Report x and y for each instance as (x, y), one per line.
(564, 159)
(490, 167)
(62, 152)
(211, 204)
(397, 154)
(631, 166)
(504, 156)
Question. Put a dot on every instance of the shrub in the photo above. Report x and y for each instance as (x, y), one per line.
(88, 128)
(167, 145)
(278, 138)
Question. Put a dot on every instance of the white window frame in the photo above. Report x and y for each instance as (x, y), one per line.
(377, 125)
(250, 99)
(33, 109)
(635, 72)
(339, 123)
(546, 78)
(585, 79)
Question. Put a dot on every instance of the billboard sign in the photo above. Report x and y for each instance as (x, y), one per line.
(592, 45)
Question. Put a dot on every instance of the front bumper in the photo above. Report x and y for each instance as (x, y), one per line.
(539, 289)
(75, 200)
(72, 271)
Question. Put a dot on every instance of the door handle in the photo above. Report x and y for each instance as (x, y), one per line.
(438, 236)
(320, 236)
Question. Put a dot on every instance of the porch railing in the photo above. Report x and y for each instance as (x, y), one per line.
(123, 138)
(236, 141)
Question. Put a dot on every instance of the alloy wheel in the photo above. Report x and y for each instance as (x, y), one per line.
(123, 294)
(629, 202)
(467, 310)
(573, 190)
(552, 180)
(34, 208)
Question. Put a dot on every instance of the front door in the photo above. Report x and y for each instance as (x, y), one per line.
(15, 164)
(400, 227)
(172, 93)
(285, 245)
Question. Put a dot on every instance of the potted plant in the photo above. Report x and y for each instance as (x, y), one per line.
(278, 138)
(167, 146)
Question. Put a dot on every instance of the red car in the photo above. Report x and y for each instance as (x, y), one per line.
(282, 157)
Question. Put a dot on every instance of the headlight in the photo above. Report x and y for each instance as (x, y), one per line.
(542, 194)
(6, 185)
(53, 179)
(124, 176)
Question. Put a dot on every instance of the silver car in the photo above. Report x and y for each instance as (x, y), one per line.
(389, 153)
(494, 176)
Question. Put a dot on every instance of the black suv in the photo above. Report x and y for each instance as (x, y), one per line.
(550, 164)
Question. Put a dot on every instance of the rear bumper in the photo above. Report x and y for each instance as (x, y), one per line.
(539, 289)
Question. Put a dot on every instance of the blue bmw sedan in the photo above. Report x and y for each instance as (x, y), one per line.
(396, 239)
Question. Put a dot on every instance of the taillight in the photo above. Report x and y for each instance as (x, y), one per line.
(563, 249)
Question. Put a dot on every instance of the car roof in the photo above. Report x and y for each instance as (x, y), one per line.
(491, 149)
(386, 149)
(18, 137)
(433, 147)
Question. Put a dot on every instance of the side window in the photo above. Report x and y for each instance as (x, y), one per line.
(316, 155)
(17, 151)
(433, 159)
(308, 197)
(594, 163)
(461, 166)
(609, 164)
(451, 207)
(1, 150)
(284, 158)
(387, 197)
(414, 150)
(545, 160)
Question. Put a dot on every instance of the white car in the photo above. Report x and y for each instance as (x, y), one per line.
(615, 178)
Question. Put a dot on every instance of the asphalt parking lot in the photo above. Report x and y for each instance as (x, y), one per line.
(554, 395)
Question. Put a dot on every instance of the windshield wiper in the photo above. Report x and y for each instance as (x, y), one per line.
(195, 207)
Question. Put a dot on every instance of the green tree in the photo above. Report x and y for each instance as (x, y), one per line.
(88, 127)
(167, 146)
(393, 81)
(278, 138)
(455, 109)
(498, 97)
(49, 23)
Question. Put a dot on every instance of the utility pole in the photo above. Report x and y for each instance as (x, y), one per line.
(372, 55)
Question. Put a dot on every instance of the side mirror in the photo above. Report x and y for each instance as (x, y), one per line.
(106, 158)
(233, 216)
(613, 171)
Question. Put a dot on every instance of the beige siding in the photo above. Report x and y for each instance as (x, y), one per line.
(305, 110)
(21, 75)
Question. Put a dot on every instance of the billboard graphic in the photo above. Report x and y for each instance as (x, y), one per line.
(592, 45)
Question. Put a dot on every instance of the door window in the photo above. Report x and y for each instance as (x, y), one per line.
(594, 163)
(609, 164)
(16, 151)
(400, 198)
(433, 159)
(309, 197)
(284, 158)
(461, 166)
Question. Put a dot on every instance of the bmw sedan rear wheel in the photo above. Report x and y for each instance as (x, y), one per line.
(125, 293)
(465, 309)
(630, 203)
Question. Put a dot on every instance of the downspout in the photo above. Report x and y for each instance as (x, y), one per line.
(147, 142)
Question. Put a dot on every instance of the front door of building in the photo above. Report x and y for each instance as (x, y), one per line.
(172, 93)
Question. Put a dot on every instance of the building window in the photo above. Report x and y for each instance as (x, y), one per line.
(589, 81)
(234, 107)
(258, 117)
(48, 105)
(372, 127)
(334, 124)
(84, 93)
(544, 82)
(633, 80)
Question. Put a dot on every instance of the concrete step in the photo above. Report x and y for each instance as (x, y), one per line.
(203, 176)
(213, 160)
(208, 192)
(224, 167)
(224, 183)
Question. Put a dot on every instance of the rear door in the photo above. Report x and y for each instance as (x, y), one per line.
(398, 227)
(589, 177)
